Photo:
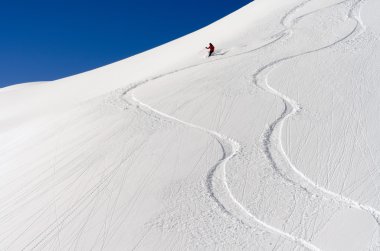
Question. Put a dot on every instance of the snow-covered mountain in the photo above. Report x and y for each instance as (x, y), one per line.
(271, 144)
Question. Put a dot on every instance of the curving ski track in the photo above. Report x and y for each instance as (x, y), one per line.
(234, 145)
(286, 114)
(268, 135)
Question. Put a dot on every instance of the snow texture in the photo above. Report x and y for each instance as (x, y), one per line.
(270, 144)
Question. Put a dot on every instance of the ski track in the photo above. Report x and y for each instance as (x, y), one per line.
(234, 145)
(276, 125)
(295, 108)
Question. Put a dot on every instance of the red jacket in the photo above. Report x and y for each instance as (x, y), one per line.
(211, 47)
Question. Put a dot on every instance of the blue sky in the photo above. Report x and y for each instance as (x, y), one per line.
(49, 39)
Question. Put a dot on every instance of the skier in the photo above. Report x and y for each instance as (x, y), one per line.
(211, 48)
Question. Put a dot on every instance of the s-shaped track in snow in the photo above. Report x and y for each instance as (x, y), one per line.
(229, 147)
(291, 108)
(234, 146)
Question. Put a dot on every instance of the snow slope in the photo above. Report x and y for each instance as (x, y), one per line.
(272, 144)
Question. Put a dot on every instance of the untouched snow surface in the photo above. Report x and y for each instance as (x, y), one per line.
(271, 144)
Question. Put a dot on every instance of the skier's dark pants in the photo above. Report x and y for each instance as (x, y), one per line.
(210, 53)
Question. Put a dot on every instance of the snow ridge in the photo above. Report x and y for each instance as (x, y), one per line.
(260, 79)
